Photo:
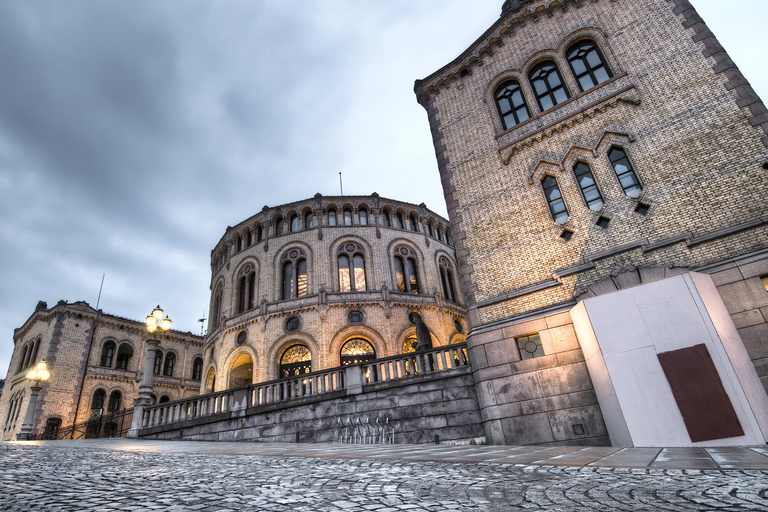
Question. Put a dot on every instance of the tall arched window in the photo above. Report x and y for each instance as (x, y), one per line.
(446, 278)
(124, 355)
(297, 360)
(278, 225)
(158, 362)
(511, 104)
(331, 217)
(554, 199)
(405, 270)
(548, 85)
(247, 288)
(309, 220)
(357, 350)
(115, 401)
(294, 223)
(347, 216)
(216, 307)
(351, 268)
(197, 368)
(399, 221)
(107, 353)
(363, 215)
(587, 64)
(23, 357)
(170, 362)
(238, 243)
(294, 265)
(387, 219)
(624, 172)
(97, 402)
(210, 381)
(588, 186)
(259, 233)
(30, 346)
(34, 353)
(248, 238)
(413, 224)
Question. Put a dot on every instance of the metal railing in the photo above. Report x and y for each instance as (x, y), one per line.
(109, 424)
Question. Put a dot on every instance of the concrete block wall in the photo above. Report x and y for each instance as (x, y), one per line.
(418, 408)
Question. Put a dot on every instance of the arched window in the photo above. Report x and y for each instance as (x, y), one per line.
(448, 238)
(115, 401)
(158, 362)
(249, 237)
(97, 402)
(331, 217)
(430, 231)
(413, 223)
(170, 362)
(163, 399)
(363, 214)
(588, 186)
(511, 104)
(446, 278)
(107, 353)
(554, 199)
(387, 219)
(624, 171)
(247, 288)
(351, 268)
(124, 355)
(294, 223)
(241, 373)
(587, 64)
(309, 220)
(297, 360)
(347, 216)
(357, 350)
(238, 243)
(399, 221)
(405, 270)
(294, 274)
(259, 233)
(216, 308)
(210, 381)
(197, 368)
(279, 225)
(23, 357)
(548, 85)
(34, 353)
(409, 344)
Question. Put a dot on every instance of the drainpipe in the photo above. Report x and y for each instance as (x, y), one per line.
(94, 325)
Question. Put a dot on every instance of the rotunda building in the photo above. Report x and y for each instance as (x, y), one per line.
(325, 282)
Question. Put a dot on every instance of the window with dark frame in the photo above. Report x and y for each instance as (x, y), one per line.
(355, 317)
(170, 362)
(548, 85)
(308, 220)
(107, 354)
(625, 172)
(588, 186)
(347, 216)
(158, 362)
(554, 199)
(588, 64)
(294, 274)
(294, 223)
(351, 268)
(387, 219)
(363, 215)
(124, 355)
(97, 402)
(405, 271)
(331, 217)
(510, 104)
(446, 278)
(197, 368)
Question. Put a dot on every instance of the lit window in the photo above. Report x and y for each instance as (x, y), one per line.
(765, 281)
(530, 346)
(405, 271)
(294, 274)
(588, 186)
(587, 64)
(351, 269)
(554, 199)
(357, 350)
(548, 85)
(624, 171)
(511, 104)
(297, 360)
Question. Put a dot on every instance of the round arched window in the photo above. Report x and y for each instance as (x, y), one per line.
(357, 350)
(242, 337)
(293, 324)
(409, 344)
(355, 317)
(296, 360)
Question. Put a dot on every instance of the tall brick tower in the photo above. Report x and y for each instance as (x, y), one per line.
(605, 169)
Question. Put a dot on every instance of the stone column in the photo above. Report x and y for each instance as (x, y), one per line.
(28, 427)
(145, 390)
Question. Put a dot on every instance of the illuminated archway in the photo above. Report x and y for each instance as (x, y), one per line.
(241, 372)
(296, 360)
(357, 350)
(210, 381)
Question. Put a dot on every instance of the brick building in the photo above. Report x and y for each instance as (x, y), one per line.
(326, 281)
(97, 362)
(589, 151)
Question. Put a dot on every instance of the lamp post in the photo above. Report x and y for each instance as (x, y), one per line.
(37, 374)
(153, 322)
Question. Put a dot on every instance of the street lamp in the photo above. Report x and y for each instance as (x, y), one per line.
(39, 373)
(154, 321)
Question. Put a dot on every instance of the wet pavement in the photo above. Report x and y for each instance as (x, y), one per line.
(131, 475)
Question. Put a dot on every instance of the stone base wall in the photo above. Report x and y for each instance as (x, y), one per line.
(419, 408)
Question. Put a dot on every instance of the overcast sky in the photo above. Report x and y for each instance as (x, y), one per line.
(133, 133)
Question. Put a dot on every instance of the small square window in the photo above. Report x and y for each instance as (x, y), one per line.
(765, 281)
(603, 222)
(566, 235)
(642, 208)
(530, 346)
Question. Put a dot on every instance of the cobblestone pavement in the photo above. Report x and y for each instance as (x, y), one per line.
(67, 476)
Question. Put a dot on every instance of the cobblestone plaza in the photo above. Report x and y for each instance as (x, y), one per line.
(108, 475)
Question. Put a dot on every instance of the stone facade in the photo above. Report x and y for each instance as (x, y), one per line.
(71, 338)
(254, 320)
(694, 134)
